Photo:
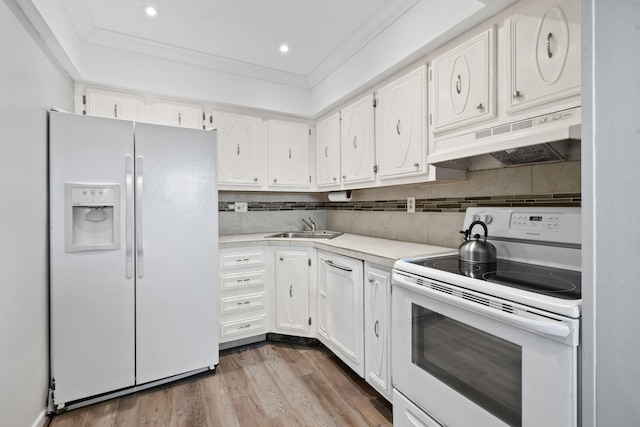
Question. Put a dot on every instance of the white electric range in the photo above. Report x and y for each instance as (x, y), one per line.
(492, 344)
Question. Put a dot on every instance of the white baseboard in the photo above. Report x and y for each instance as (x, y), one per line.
(41, 421)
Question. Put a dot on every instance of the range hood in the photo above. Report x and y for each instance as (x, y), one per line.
(541, 139)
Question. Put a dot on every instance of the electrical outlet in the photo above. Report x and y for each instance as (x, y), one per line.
(241, 206)
(411, 204)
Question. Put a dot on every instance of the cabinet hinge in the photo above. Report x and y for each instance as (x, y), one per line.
(309, 321)
(52, 385)
(210, 118)
(204, 116)
(84, 99)
(309, 178)
(375, 168)
(375, 102)
(309, 262)
(309, 131)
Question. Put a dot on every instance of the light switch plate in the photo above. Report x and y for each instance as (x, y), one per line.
(241, 206)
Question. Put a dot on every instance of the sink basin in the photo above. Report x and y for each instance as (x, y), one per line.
(320, 234)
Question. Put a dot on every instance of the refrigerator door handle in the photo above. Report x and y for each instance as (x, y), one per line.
(138, 214)
(129, 215)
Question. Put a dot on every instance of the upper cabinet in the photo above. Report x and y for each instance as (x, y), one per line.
(289, 155)
(463, 83)
(544, 53)
(114, 105)
(328, 152)
(239, 149)
(178, 114)
(357, 143)
(400, 126)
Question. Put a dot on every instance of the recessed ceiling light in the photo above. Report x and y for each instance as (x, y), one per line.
(284, 48)
(150, 10)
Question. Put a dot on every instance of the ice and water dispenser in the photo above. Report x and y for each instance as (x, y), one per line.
(92, 217)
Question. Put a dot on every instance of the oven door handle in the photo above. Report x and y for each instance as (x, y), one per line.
(549, 327)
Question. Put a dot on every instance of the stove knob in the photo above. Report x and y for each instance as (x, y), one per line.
(475, 217)
(486, 218)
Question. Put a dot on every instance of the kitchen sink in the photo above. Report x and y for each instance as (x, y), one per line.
(319, 234)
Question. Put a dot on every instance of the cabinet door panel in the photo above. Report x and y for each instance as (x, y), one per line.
(544, 54)
(292, 291)
(114, 105)
(464, 83)
(288, 154)
(377, 330)
(328, 151)
(178, 114)
(401, 141)
(239, 145)
(356, 139)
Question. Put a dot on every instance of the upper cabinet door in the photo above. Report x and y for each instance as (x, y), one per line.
(463, 83)
(178, 114)
(328, 152)
(114, 105)
(288, 154)
(239, 149)
(400, 122)
(544, 48)
(356, 139)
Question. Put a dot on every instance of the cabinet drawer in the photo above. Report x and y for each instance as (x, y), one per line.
(241, 259)
(244, 328)
(242, 303)
(243, 280)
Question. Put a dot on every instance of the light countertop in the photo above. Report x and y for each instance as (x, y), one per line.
(372, 249)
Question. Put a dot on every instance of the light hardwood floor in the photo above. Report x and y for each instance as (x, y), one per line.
(265, 384)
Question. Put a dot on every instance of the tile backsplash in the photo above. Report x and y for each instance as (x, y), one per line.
(381, 212)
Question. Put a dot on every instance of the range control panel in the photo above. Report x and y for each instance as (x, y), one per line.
(535, 221)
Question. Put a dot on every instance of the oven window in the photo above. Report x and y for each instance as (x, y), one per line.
(484, 368)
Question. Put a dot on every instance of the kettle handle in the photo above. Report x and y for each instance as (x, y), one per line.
(484, 226)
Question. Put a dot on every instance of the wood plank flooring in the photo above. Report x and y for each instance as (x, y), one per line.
(265, 384)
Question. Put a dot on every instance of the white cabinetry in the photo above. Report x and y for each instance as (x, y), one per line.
(243, 297)
(377, 329)
(400, 126)
(289, 155)
(328, 152)
(239, 150)
(341, 308)
(114, 105)
(178, 114)
(544, 49)
(463, 83)
(293, 287)
(357, 141)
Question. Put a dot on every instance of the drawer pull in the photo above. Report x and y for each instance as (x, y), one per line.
(244, 303)
(245, 326)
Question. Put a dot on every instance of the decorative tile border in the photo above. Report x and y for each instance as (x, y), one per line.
(446, 204)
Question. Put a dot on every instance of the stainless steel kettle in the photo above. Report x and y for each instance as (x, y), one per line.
(474, 250)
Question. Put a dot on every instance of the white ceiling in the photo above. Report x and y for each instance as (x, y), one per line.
(243, 33)
(226, 51)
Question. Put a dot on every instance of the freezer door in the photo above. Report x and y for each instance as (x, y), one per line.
(91, 298)
(176, 251)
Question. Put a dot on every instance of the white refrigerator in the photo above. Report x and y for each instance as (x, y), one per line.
(133, 256)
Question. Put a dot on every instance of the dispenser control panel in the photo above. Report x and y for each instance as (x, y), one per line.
(92, 196)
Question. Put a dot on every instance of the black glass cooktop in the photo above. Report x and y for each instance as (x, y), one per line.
(554, 282)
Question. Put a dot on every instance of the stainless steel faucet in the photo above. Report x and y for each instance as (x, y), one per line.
(311, 225)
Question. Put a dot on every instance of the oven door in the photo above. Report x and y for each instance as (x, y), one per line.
(466, 358)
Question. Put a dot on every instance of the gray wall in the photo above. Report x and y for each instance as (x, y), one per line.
(29, 85)
(611, 235)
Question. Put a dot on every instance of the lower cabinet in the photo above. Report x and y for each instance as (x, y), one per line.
(340, 301)
(293, 289)
(377, 329)
(243, 296)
